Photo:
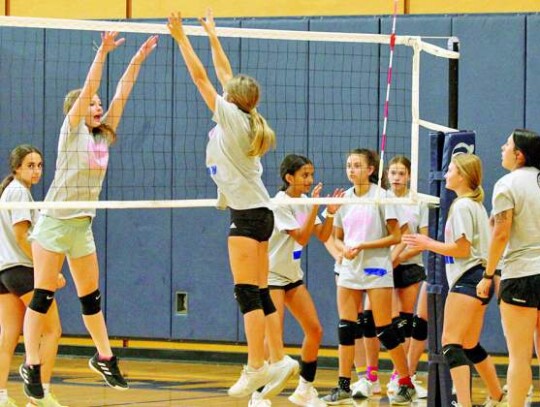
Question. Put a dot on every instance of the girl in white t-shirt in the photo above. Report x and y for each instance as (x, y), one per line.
(464, 250)
(364, 233)
(233, 159)
(83, 153)
(17, 270)
(293, 227)
(516, 239)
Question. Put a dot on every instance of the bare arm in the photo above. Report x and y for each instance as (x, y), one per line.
(221, 62)
(500, 235)
(20, 230)
(393, 237)
(125, 85)
(324, 231)
(93, 79)
(409, 253)
(459, 249)
(195, 67)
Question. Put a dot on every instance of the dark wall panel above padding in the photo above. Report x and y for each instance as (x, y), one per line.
(532, 97)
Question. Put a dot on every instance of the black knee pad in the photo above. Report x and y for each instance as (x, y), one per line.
(419, 328)
(388, 336)
(91, 303)
(267, 303)
(396, 324)
(248, 297)
(369, 325)
(359, 328)
(406, 326)
(477, 354)
(41, 300)
(454, 355)
(346, 332)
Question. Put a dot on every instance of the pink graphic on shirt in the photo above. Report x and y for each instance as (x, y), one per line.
(98, 155)
(301, 218)
(356, 224)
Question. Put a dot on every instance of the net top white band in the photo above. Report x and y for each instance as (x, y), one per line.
(153, 28)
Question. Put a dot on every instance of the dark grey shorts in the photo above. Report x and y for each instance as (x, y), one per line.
(17, 280)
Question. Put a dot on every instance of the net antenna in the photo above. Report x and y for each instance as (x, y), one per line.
(387, 98)
(331, 82)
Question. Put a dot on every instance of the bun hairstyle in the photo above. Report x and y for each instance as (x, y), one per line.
(16, 158)
(290, 164)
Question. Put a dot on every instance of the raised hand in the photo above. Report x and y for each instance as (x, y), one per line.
(338, 193)
(208, 23)
(109, 42)
(316, 193)
(146, 48)
(175, 26)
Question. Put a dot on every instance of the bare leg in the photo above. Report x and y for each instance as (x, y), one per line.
(11, 322)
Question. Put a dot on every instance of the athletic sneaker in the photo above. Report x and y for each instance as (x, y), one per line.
(362, 389)
(280, 372)
(529, 393)
(307, 397)
(250, 380)
(338, 397)
(421, 391)
(492, 403)
(31, 375)
(257, 400)
(48, 401)
(108, 369)
(8, 403)
(405, 396)
(393, 386)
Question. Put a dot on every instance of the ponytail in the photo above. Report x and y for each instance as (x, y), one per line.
(5, 182)
(263, 137)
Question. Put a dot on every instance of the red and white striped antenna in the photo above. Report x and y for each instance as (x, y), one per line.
(388, 85)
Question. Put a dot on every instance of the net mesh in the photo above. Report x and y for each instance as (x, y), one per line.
(323, 94)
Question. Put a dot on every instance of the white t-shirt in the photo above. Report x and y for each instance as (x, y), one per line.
(416, 216)
(285, 252)
(237, 175)
(520, 191)
(11, 254)
(81, 166)
(467, 219)
(372, 268)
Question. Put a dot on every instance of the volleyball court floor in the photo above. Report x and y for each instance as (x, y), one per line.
(161, 383)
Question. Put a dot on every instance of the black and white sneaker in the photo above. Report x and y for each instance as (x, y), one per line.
(109, 370)
(31, 375)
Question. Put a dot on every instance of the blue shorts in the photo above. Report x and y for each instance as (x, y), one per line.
(468, 281)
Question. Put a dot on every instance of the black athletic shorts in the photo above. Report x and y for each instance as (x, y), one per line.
(17, 280)
(406, 275)
(469, 280)
(255, 223)
(522, 291)
(287, 287)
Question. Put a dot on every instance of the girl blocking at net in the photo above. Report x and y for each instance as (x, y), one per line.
(294, 226)
(516, 239)
(17, 271)
(464, 250)
(235, 146)
(83, 152)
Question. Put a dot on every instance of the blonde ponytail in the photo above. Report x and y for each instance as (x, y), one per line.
(263, 137)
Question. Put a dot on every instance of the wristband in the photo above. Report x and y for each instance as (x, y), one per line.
(488, 276)
(330, 215)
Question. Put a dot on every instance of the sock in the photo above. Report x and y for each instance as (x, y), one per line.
(303, 385)
(344, 383)
(104, 358)
(372, 373)
(405, 381)
(360, 371)
(3, 395)
(308, 370)
(395, 375)
(46, 388)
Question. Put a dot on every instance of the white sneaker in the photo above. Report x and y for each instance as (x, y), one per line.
(250, 380)
(529, 393)
(8, 403)
(492, 403)
(376, 387)
(280, 373)
(392, 387)
(421, 391)
(308, 397)
(362, 389)
(48, 401)
(257, 400)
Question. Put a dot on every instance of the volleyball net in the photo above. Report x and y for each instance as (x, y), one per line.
(322, 92)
